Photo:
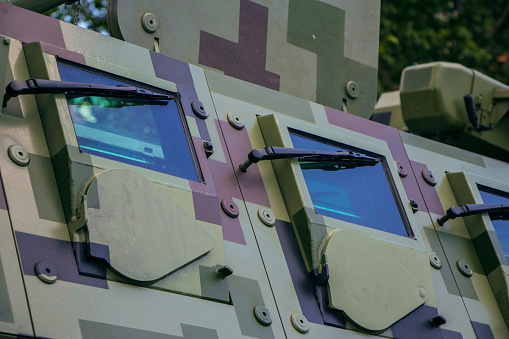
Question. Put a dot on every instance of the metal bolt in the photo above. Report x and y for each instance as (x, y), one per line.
(149, 22)
(401, 170)
(464, 268)
(46, 272)
(262, 314)
(422, 292)
(18, 155)
(352, 89)
(266, 216)
(434, 260)
(230, 208)
(300, 323)
(235, 120)
(429, 177)
(199, 109)
(7, 41)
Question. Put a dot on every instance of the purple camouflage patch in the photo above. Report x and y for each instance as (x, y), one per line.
(27, 26)
(246, 59)
(483, 331)
(391, 136)
(59, 253)
(62, 53)
(429, 192)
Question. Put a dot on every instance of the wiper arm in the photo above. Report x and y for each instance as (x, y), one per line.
(39, 86)
(496, 211)
(341, 158)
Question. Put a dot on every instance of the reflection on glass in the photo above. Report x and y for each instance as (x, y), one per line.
(141, 132)
(491, 196)
(360, 195)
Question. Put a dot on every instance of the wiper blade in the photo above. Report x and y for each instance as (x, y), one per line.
(496, 211)
(340, 158)
(39, 86)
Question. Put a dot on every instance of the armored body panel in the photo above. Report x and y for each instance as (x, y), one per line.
(145, 197)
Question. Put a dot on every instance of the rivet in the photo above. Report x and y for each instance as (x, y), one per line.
(235, 120)
(224, 271)
(422, 292)
(230, 208)
(464, 268)
(149, 22)
(266, 216)
(262, 314)
(18, 155)
(300, 323)
(429, 177)
(199, 109)
(352, 89)
(434, 260)
(46, 272)
(401, 170)
(7, 41)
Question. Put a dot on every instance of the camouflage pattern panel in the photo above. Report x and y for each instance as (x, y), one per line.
(103, 228)
(321, 51)
(470, 247)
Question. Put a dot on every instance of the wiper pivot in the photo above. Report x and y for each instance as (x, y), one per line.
(39, 86)
(496, 211)
(345, 159)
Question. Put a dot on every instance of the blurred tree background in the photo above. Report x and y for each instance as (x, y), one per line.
(474, 33)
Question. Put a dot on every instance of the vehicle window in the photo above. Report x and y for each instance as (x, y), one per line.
(360, 195)
(492, 196)
(141, 132)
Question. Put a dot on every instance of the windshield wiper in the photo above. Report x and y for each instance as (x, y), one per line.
(496, 211)
(39, 86)
(345, 159)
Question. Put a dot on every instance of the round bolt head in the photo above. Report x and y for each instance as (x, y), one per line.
(266, 216)
(464, 268)
(149, 22)
(429, 177)
(199, 109)
(422, 292)
(235, 120)
(434, 260)
(352, 89)
(262, 314)
(300, 323)
(230, 208)
(18, 155)
(46, 272)
(401, 170)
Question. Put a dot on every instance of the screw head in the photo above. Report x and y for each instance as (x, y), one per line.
(199, 109)
(266, 217)
(434, 260)
(230, 208)
(18, 155)
(262, 314)
(429, 177)
(300, 323)
(149, 22)
(352, 89)
(401, 170)
(235, 120)
(464, 268)
(46, 272)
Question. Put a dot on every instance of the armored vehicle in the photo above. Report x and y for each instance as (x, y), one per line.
(210, 171)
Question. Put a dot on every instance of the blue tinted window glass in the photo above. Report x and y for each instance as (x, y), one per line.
(140, 132)
(360, 195)
(501, 226)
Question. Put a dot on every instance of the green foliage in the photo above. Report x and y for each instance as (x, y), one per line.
(470, 32)
(92, 14)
